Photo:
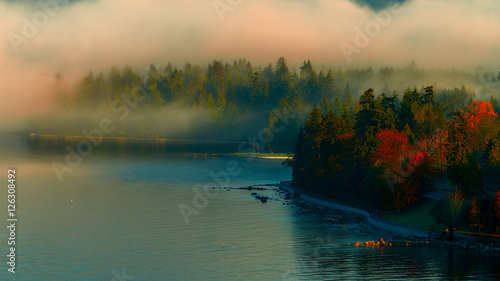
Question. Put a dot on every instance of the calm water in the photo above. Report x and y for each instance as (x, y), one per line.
(118, 213)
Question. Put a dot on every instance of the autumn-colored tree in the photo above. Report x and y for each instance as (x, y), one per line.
(457, 146)
(475, 213)
(456, 200)
(492, 152)
(481, 117)
(464, 170)
(407, 173)
(479, 110)
(428, 118)
(420, 172)
(392, 149)
(439, 141)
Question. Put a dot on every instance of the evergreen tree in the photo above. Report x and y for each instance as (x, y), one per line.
(367, 100)
(176, 86)
(365, 118)
(328, 85)
(428, 97)
(216, 80)
(282, 84)
(410, 104)
(257, 95)
(325, 106)
(168, 69)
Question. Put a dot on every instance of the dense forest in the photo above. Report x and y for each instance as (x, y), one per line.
(389, 145)
(391, 151)
(231, 101)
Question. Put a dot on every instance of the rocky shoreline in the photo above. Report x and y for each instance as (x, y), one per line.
(470, 244)
(437, 240)
(478, 245)
(357, 222)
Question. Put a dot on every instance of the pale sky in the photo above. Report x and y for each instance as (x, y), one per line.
(75, 38)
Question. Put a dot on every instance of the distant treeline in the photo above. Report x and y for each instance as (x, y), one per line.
(231, 101)
(391, 151)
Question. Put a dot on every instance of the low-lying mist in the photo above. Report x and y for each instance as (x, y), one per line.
(49, 48)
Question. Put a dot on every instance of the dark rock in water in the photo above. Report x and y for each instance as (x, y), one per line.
(254, 193)
(267, 184)
(251, 188)
(262, 199)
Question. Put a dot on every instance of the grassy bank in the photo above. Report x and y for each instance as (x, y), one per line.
(417, 217)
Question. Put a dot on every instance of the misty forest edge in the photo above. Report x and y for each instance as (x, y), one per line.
(382, 149)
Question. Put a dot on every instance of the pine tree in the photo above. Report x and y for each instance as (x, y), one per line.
(210, 103)
(282, 84)
(325, 106)
(367, 100)
(410, 104)
(257, 95)
(154, 98)
(428, 97)
(168, 69)
(328, 85)
(176, 86)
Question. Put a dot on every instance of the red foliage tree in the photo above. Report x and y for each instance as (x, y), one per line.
(406, 170)
(480, 118)
(477, 112)
(392, 149)
(417, 159)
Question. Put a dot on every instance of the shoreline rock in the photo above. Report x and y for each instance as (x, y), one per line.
(437, 240)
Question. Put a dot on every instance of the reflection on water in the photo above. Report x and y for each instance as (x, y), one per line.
(119, 212)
